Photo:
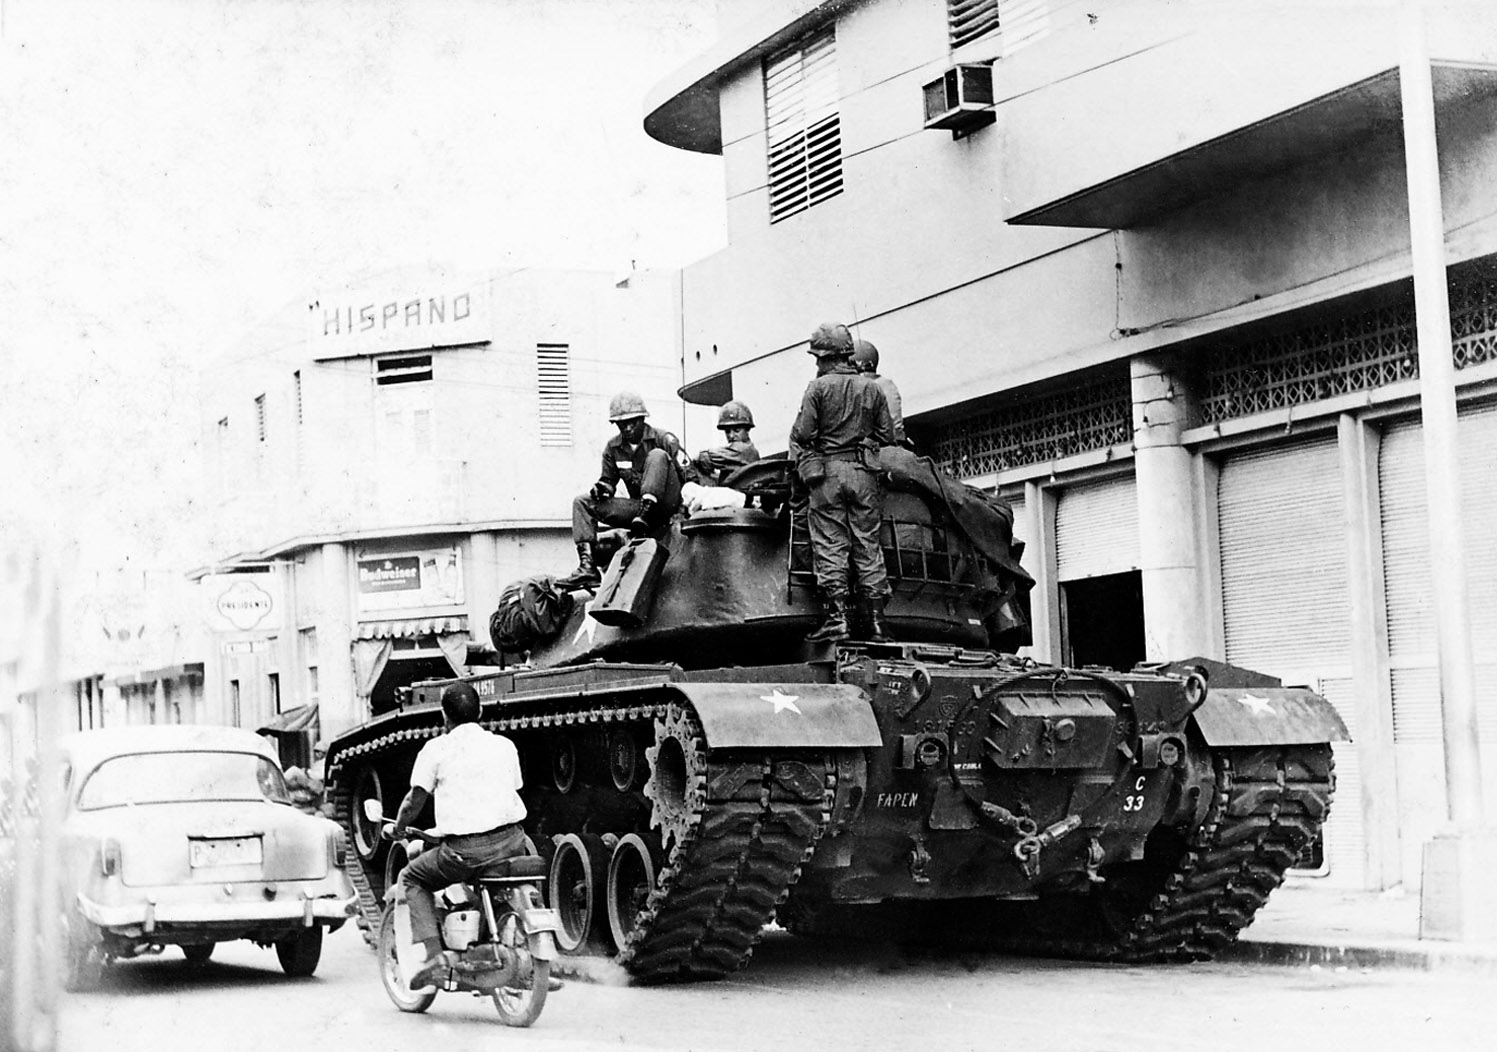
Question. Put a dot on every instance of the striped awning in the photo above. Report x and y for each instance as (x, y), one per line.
(410, 627)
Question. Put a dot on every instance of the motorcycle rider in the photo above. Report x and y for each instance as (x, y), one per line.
(474, 776)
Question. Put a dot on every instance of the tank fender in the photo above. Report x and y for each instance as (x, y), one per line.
(783, 715)
(1267, 716)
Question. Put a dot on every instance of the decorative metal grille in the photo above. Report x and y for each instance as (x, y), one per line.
(1358, 352)
(1092, 415)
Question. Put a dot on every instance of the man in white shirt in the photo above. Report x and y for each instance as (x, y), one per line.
(475, 778)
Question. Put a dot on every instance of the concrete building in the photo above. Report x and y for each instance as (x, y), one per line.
(386, 458)
(1145, 269)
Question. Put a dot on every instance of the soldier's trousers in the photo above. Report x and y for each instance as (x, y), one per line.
(661, 480)
(844, 514)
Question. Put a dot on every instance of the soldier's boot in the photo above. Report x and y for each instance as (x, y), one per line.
(878, 628)
(834, 629)
(640, 525)
(586, 575)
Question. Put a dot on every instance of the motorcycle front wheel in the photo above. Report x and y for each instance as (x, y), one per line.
(520, 1003)
(405, 999)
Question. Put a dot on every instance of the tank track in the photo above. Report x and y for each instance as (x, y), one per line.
(1267, 804)
(753, 826)
(1187, 904)
(370, 907)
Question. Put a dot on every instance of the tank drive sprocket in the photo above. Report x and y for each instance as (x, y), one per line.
(678, 777)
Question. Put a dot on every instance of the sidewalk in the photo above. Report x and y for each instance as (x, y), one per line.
(1306, 922)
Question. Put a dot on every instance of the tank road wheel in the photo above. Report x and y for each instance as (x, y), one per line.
(564, 764)
(678, 776)
(623, 758)
(405, 999)
(579, 873)
(631, 878)
(367, 786)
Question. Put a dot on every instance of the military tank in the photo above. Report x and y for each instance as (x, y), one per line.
(695, 770)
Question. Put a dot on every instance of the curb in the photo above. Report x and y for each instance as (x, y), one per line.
(1421, 958)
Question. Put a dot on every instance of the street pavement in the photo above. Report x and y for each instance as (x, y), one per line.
(1310, 922)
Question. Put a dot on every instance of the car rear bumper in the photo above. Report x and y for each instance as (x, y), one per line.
(146, 916)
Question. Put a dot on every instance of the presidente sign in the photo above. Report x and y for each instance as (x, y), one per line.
(242, 602)
(435, 312)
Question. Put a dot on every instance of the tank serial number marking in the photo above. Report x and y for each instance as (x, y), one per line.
(1134, 801)
(897, 799)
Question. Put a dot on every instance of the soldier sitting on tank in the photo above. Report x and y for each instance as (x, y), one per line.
(735, 421)
(842, 423)
(652, 467)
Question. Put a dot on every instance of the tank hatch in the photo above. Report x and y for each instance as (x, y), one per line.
(1055, 730)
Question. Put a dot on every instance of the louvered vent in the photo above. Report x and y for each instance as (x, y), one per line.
(805, 130)
(554, 384)
(970, 19)
(407, 369)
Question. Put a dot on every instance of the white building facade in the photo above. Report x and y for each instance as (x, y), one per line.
(1157, 291)
(387, 459)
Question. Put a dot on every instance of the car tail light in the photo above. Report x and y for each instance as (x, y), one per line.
(109, 857)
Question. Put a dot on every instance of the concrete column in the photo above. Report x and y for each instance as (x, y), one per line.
(1168, 517)
(339, 708)
(1455, 895)
(481, 584)
(1372, 683)
(1040, 561)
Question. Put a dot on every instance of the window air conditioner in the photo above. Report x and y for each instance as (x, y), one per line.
(961, 99)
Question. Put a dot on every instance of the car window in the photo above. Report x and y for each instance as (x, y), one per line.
(175, 777)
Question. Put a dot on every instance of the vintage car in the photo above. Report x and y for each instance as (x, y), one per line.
(186, 835)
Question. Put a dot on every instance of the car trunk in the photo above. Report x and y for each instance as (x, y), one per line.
(217, 842)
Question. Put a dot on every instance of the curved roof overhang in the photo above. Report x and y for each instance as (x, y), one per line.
(683, 111)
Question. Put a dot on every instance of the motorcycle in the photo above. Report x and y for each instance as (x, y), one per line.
(503, 935)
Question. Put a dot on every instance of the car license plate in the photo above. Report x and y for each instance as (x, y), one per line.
(224, 851)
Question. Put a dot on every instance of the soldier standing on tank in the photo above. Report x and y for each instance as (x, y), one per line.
(652, 467)
(843, 420)
(865, 357)
(735, 421)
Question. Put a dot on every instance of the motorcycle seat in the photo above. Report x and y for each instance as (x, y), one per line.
(521, 867)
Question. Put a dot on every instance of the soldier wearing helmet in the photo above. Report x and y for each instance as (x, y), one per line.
(650, 464)
(843, 420)
(865, 357)
(735, 421)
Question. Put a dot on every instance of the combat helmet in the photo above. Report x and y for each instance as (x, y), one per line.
(734, 414)
(626, 405)
(831, 339)
(865, 356)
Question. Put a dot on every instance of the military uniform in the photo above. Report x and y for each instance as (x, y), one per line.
(714, 465)
(843, 419)
(653, 467)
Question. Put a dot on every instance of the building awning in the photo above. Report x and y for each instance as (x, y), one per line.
(1320, 127)
(188, 670)
(292, 721)
(411, 627)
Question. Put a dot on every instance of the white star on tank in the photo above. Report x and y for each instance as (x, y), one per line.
(782, 701)
(1260, 706)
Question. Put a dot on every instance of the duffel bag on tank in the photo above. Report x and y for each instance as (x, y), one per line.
(531, 611)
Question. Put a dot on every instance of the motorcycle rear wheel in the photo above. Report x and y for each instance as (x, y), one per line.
(403, 997)
(520, 1003)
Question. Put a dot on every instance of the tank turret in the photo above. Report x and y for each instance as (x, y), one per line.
(694, 769)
